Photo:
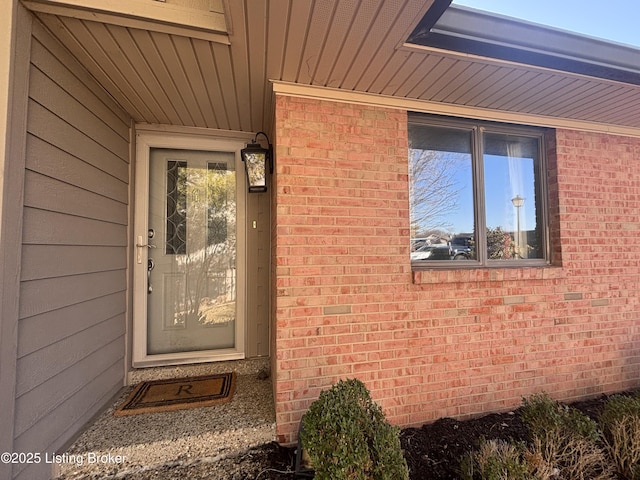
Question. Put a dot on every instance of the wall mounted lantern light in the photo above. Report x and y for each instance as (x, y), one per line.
(256, 162)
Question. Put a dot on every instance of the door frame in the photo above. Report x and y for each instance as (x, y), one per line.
(145, 141)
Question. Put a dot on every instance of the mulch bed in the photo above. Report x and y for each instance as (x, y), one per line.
(433, 451)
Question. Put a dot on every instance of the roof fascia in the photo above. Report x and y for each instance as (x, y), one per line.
(153, 16)
(430, 18)
(471, 31)
(436, 108)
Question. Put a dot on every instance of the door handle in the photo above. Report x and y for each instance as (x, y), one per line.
(140, 246)
(150, 265)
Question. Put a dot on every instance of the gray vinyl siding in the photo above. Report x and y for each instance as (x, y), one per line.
(73, 293)
(258, 278)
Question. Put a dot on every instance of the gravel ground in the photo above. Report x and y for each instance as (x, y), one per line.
(211, 442)
(265, 462)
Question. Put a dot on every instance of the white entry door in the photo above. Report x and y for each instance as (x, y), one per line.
(189, 281)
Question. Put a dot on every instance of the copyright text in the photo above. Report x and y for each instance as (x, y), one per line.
(61, 458)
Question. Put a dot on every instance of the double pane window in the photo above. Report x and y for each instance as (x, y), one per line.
(477, 193)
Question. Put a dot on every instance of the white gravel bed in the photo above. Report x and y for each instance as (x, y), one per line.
(148, 445)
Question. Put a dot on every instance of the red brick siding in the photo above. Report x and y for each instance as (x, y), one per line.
(443, 343)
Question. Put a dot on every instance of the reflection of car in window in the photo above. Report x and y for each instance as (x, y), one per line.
(431, 252)
(416, 243)
(462, 247)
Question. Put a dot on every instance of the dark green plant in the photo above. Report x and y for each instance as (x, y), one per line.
(543, 414)
(347, 437)
(620, 406)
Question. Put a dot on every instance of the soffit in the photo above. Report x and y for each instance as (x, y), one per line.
(349, 45)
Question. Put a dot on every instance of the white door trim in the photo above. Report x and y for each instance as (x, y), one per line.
(144, 142)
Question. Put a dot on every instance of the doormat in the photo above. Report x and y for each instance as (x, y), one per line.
(179, 393)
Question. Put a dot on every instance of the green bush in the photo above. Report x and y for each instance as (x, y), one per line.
(543, 414)
(347, 437)
(620, 422)
(620, 406)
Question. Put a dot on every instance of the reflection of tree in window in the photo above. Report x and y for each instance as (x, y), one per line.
(434, 189)
(440, 169)
(211, 290)
(218, 208)
(201, 232)
(500, 245)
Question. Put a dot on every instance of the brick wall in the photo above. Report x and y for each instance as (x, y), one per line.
(443, 343)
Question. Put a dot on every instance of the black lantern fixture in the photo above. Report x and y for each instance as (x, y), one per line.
(256, 161)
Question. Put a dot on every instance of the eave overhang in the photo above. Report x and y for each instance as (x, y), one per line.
(469, 31)
(186, 74)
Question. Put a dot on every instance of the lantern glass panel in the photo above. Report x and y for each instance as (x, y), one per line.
(256, 168)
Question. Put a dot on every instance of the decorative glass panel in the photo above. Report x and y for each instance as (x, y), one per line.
(176, 228)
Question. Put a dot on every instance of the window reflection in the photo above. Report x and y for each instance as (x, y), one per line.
(476, 192)
(513, 227)
(441, 185)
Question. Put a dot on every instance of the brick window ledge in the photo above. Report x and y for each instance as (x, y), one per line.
(437, 276)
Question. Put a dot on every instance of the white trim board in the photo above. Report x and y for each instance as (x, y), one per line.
(461, 111)
(148, 15)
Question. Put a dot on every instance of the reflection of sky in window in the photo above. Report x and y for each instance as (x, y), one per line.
(509, 171)
(501, 186)
(505, 178)
(462, 220)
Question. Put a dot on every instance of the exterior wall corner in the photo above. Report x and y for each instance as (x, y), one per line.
(14, 77)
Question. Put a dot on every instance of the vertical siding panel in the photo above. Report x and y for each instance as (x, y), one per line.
(72, 312)
(258, 235)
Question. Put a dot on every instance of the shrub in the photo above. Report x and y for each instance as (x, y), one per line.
(496, 460)
(557, 454)
(564, 441)
(347, 437)
(543, 414)
(620, 421)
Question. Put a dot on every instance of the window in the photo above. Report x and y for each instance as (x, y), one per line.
(477, 194)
